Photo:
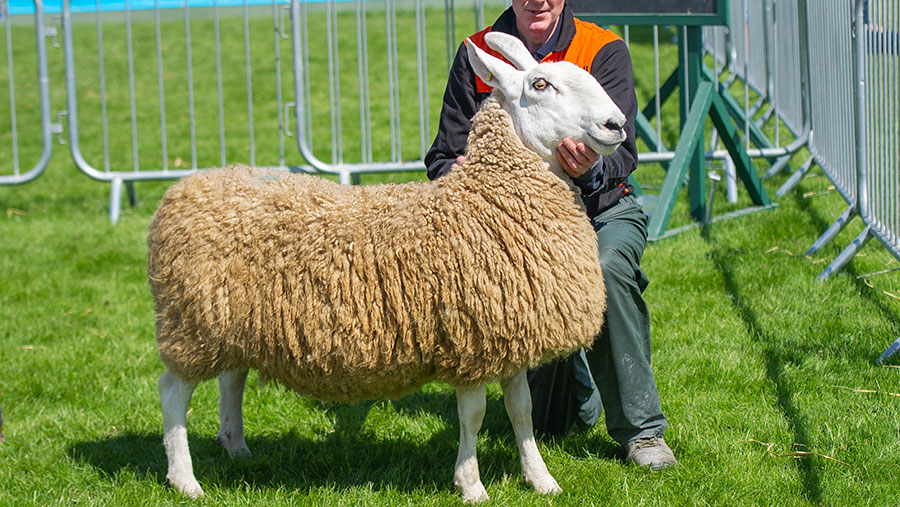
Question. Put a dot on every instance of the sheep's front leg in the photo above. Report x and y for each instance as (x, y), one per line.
(470, 404)
(231, 416)
(174, 396)
(517, 399)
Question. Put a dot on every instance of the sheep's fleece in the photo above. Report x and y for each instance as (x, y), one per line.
(348, 293)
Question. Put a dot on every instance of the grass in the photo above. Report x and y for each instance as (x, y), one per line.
(756, 363)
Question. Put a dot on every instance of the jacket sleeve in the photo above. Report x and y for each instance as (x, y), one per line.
(612, 69)
(460, 104)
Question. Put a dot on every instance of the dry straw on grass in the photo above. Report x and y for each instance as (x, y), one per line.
(795, 454)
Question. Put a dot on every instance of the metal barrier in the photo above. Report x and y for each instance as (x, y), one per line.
(764, 47)
(394, 138)
(877, 122)
(854, 81)
(186, 112)
(878, 181)
(171, 104)
(180, 113)
(860, 82)
(14, 175)
(833, 145)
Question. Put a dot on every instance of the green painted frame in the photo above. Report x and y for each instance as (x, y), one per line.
(649, 18)
(701, 97)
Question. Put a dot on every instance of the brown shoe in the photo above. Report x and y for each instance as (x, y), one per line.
(652, 452)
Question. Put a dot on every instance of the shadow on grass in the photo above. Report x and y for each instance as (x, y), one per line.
(777, 355)
(348, 457)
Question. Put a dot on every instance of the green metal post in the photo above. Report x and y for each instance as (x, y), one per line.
(693, 60)
(691, 135)
(745, 168)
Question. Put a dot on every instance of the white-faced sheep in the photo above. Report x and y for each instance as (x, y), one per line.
(348, 293)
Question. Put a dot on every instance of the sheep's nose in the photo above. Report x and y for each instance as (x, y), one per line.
(613, 125)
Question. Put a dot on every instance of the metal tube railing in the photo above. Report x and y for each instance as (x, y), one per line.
(43, 86)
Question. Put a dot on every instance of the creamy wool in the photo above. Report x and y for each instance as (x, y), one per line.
(352, 292)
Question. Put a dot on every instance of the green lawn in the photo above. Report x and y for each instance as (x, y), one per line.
(764, 373)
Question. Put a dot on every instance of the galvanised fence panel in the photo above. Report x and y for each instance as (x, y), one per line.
(748, 24)
(764, 47)
(833, 143)
(381, 110)
(183, 88)
(26, 130)
(194, 84)
(786, 65)
(879, 175)
(742, 44)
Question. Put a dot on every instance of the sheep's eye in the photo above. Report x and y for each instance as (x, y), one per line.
(540, 84)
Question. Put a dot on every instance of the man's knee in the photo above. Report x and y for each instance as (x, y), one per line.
(615, 266)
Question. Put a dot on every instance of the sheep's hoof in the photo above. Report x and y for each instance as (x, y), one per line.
(475, 494)
(234, 449)
(189, 487)
(546, 486)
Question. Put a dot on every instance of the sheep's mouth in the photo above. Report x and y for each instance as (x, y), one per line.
(609, 143)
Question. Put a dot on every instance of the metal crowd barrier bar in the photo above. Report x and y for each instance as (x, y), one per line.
(856, 75)
(878, 177)
(405, 126)
(877, 78)
(764, 47)
(181, 112)
(831, 91)
(833, 144)
(16, 175)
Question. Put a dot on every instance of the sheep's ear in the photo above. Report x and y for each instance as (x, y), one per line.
(511, 48)
(492, 70)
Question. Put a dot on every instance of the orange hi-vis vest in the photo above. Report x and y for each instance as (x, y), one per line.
(589, 39)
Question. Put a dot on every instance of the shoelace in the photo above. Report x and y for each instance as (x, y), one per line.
(642, 443)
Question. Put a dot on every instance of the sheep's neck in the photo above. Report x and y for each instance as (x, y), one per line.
(499, 165)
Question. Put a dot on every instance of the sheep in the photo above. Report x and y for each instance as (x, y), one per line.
(349, 293)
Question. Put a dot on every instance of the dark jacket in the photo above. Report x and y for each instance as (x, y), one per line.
(610, 64)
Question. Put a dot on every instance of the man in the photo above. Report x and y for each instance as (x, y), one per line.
(567, 394)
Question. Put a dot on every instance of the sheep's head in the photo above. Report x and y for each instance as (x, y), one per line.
(548, 101)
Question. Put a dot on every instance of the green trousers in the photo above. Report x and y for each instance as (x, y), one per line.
(615, 373)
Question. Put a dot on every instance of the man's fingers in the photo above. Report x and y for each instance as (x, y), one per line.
(589, 155)
(572, 157)
(567, 161)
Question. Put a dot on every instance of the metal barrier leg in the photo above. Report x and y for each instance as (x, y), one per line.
(833, 230)
(846, 255)
(795, 178)
(344, 175)
(731, 189)
(890, 351)
(777, 167)
(115, 199)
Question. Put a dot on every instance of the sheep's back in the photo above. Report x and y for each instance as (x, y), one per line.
(317, 284)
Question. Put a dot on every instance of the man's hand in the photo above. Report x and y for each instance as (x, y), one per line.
(460, 160)
(575, 158)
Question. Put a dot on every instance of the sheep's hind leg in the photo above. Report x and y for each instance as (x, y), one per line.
(517, 399)
(470, 403)
(231, 417)
(175, 396)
